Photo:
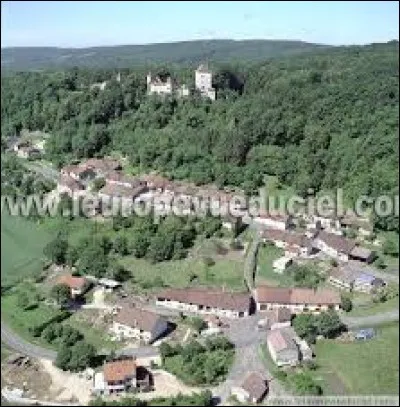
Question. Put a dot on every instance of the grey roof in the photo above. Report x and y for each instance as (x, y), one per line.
(361, 252)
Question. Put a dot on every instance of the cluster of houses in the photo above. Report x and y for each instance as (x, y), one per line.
(168, 86)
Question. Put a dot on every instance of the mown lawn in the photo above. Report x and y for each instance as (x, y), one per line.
(370, 367)
(22, 243)
(265, 273)
(185, 272)
(20, 320)
(371, 308)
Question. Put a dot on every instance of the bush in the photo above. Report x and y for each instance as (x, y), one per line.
(380, 263)
(346, 303)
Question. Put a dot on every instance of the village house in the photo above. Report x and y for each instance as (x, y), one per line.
(361, 225)
(275, 221)
(28, 152)
(118, 178)
(133, 322)
(351, 277)
(252, 390)
(362, 254)
(297, 300)
(334, 246)
(206, 301)
(77, 285)
(203, 82)
(283, 347)
(69, 185)
(155, 183)
(81, 173)
(102, 166)
(295, 244)
(122, 376)
(276, 318)
(109, 284)
(287, 348)
(120, 194)
(327, 220)
(158, 85)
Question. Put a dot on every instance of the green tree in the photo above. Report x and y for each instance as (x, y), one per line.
(61, 293)
(56, 250)
(346, 303)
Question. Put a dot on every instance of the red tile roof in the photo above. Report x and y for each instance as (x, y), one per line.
(119, 370)
(282, 295)
(215, 298)
(73, 282)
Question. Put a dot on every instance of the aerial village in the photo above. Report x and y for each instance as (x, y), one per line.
(263, 314)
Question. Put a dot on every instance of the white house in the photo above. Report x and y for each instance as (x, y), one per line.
(77, 285)
(121, 376)
(274, 221)
(283, 347)
(203, 81)
(206, 301)
(132, 322)
(334, 246)
(297, 300)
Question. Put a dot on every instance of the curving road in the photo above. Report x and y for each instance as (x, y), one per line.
(14, 341)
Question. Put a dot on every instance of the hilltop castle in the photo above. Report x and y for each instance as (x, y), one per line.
(168, 86)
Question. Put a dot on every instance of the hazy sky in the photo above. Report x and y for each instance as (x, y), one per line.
(84, 23)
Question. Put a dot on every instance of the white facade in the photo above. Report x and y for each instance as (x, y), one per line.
(330, 251)
(339, 283)
(203, 82)
(101, 387)
(297, 308)
(280, 224)
(197, 309)
(242, 395)
(122, 331)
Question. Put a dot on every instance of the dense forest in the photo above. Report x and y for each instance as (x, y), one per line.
(123, 56)
(322, 120)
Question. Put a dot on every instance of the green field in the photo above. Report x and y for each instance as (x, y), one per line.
(372, 308)
(20, 320)
(370, 367)
(265, 273)
(178, 273)
(22, 243)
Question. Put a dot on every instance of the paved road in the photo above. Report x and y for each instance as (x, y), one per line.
(142, 352)
(244, 334)
(11, 339)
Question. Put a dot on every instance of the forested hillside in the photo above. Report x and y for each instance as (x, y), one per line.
(24, 58)
(324, 120)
